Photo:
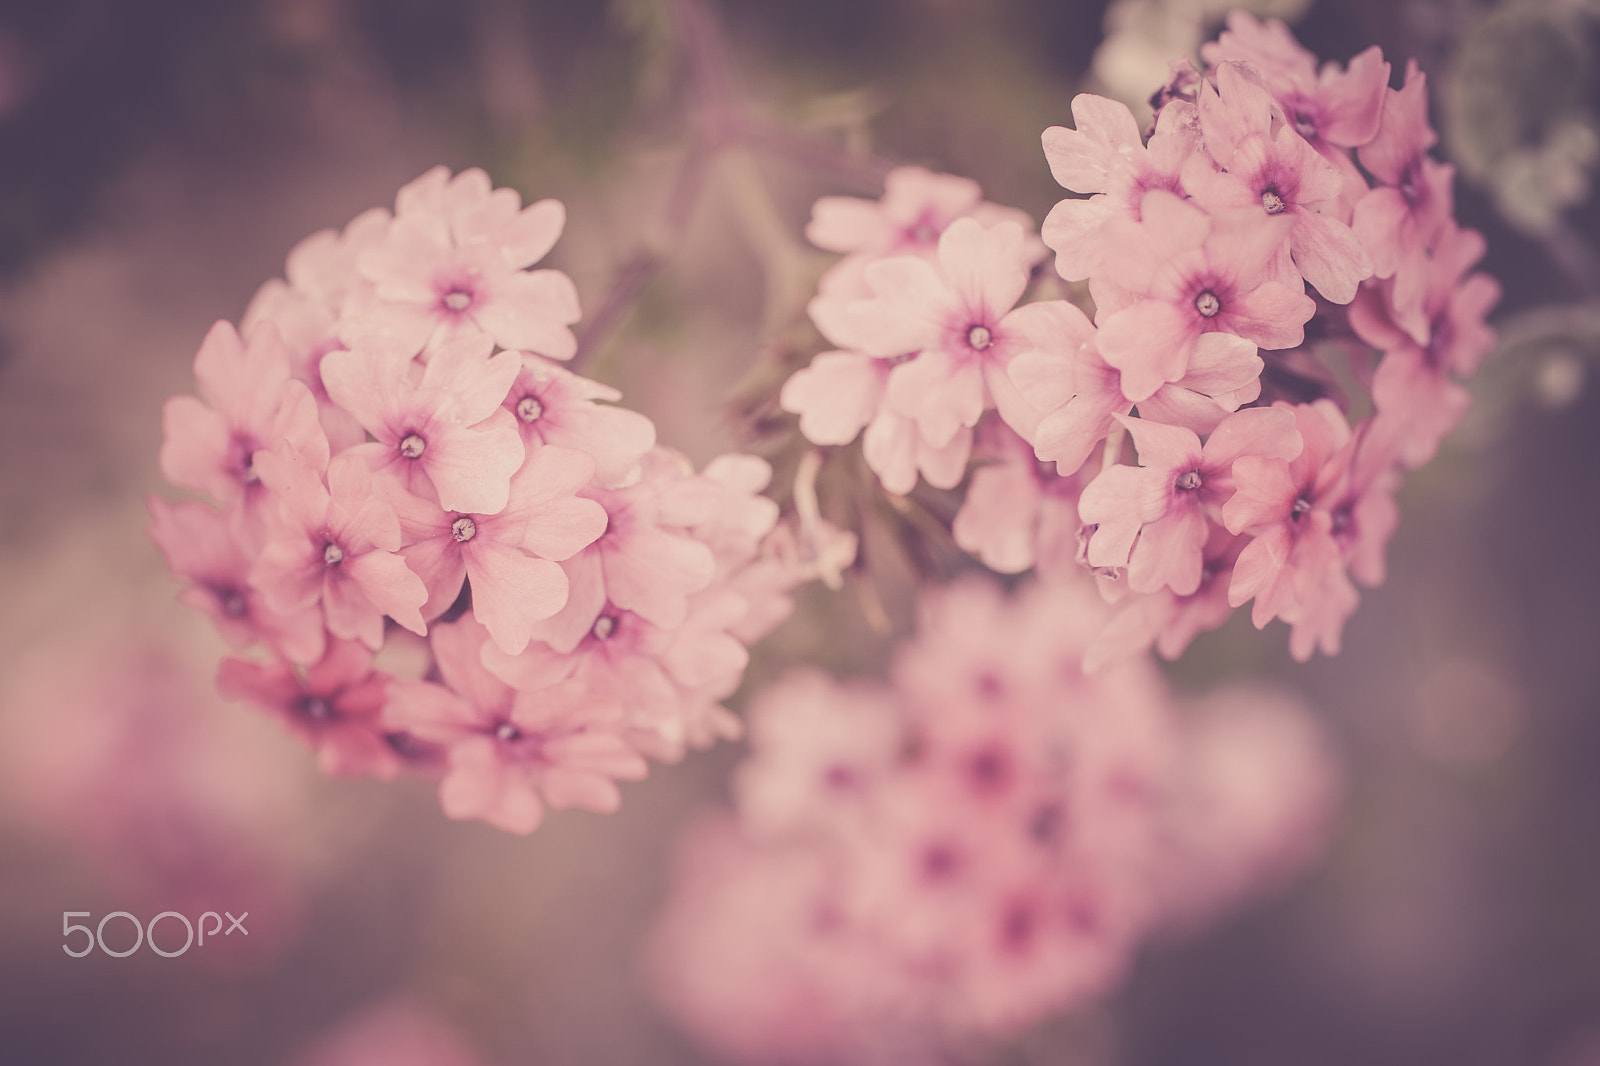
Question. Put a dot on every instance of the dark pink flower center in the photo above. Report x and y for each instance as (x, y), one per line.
(839, 776)
(989, 768)
(939, 862)
(1018, 926)
(1301, 508)
(231, 601)
(314, 707)
(1045, 825)
(507, 732)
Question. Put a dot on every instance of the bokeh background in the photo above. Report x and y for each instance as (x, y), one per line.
(158, 159)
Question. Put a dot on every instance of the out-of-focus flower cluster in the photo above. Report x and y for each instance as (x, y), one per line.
(1277, 228)
(984, 841)
(392, 443)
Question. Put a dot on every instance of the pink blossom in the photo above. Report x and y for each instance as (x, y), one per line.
(1017, 513)
(336, 545)
(309, 329)
(897, 452)
(445, 434)
(1081, 397)
(553, 405)
(324, 265)
(837, 395)
(641, 563)
(1279, 173)
(1164, 618)
(1186, 274)
(816, 749)
(202, 547)
(511, 557)
(247, 403)
(916, 208)
(510, 753)
(1155, 518)
(1106, 156)
(1311, 516)
(1415, 386)
(334, 704)
(1333, 107)
(1403, 214)
(956, 314)
(453, 261)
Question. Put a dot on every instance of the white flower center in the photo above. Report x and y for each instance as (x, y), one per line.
(412, 446)
(332, 555)
(1189, 480)
(979, 337)
(456, 300)
(1272, 202)
(1208, 304)
(604, 626)
(529, 409)
(507, 731)
(463, 529)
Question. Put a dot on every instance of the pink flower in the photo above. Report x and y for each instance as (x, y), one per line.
(248, 403)
(1186, 275)
(510, 753)
(897, 452)
(956, 315)
(1333, 107)
(816, 750)
(511, 557)
(916, 208)
(1280, 174)
(201, 546)
(1165, 619)
(445, 434)
(335, 705)
(553, 405)
(1309, 516)
(1403, 214)
(1153, 518)
(1106, 156)
(1017, 513)
(641, 563)
(454, 261)
(310, 331)
(837, 395)
(1415, 386)
(1082, 396)
(336, 545)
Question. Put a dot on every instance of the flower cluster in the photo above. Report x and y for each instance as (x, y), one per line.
(393, 444)
(985, 841)
(1277, 228)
